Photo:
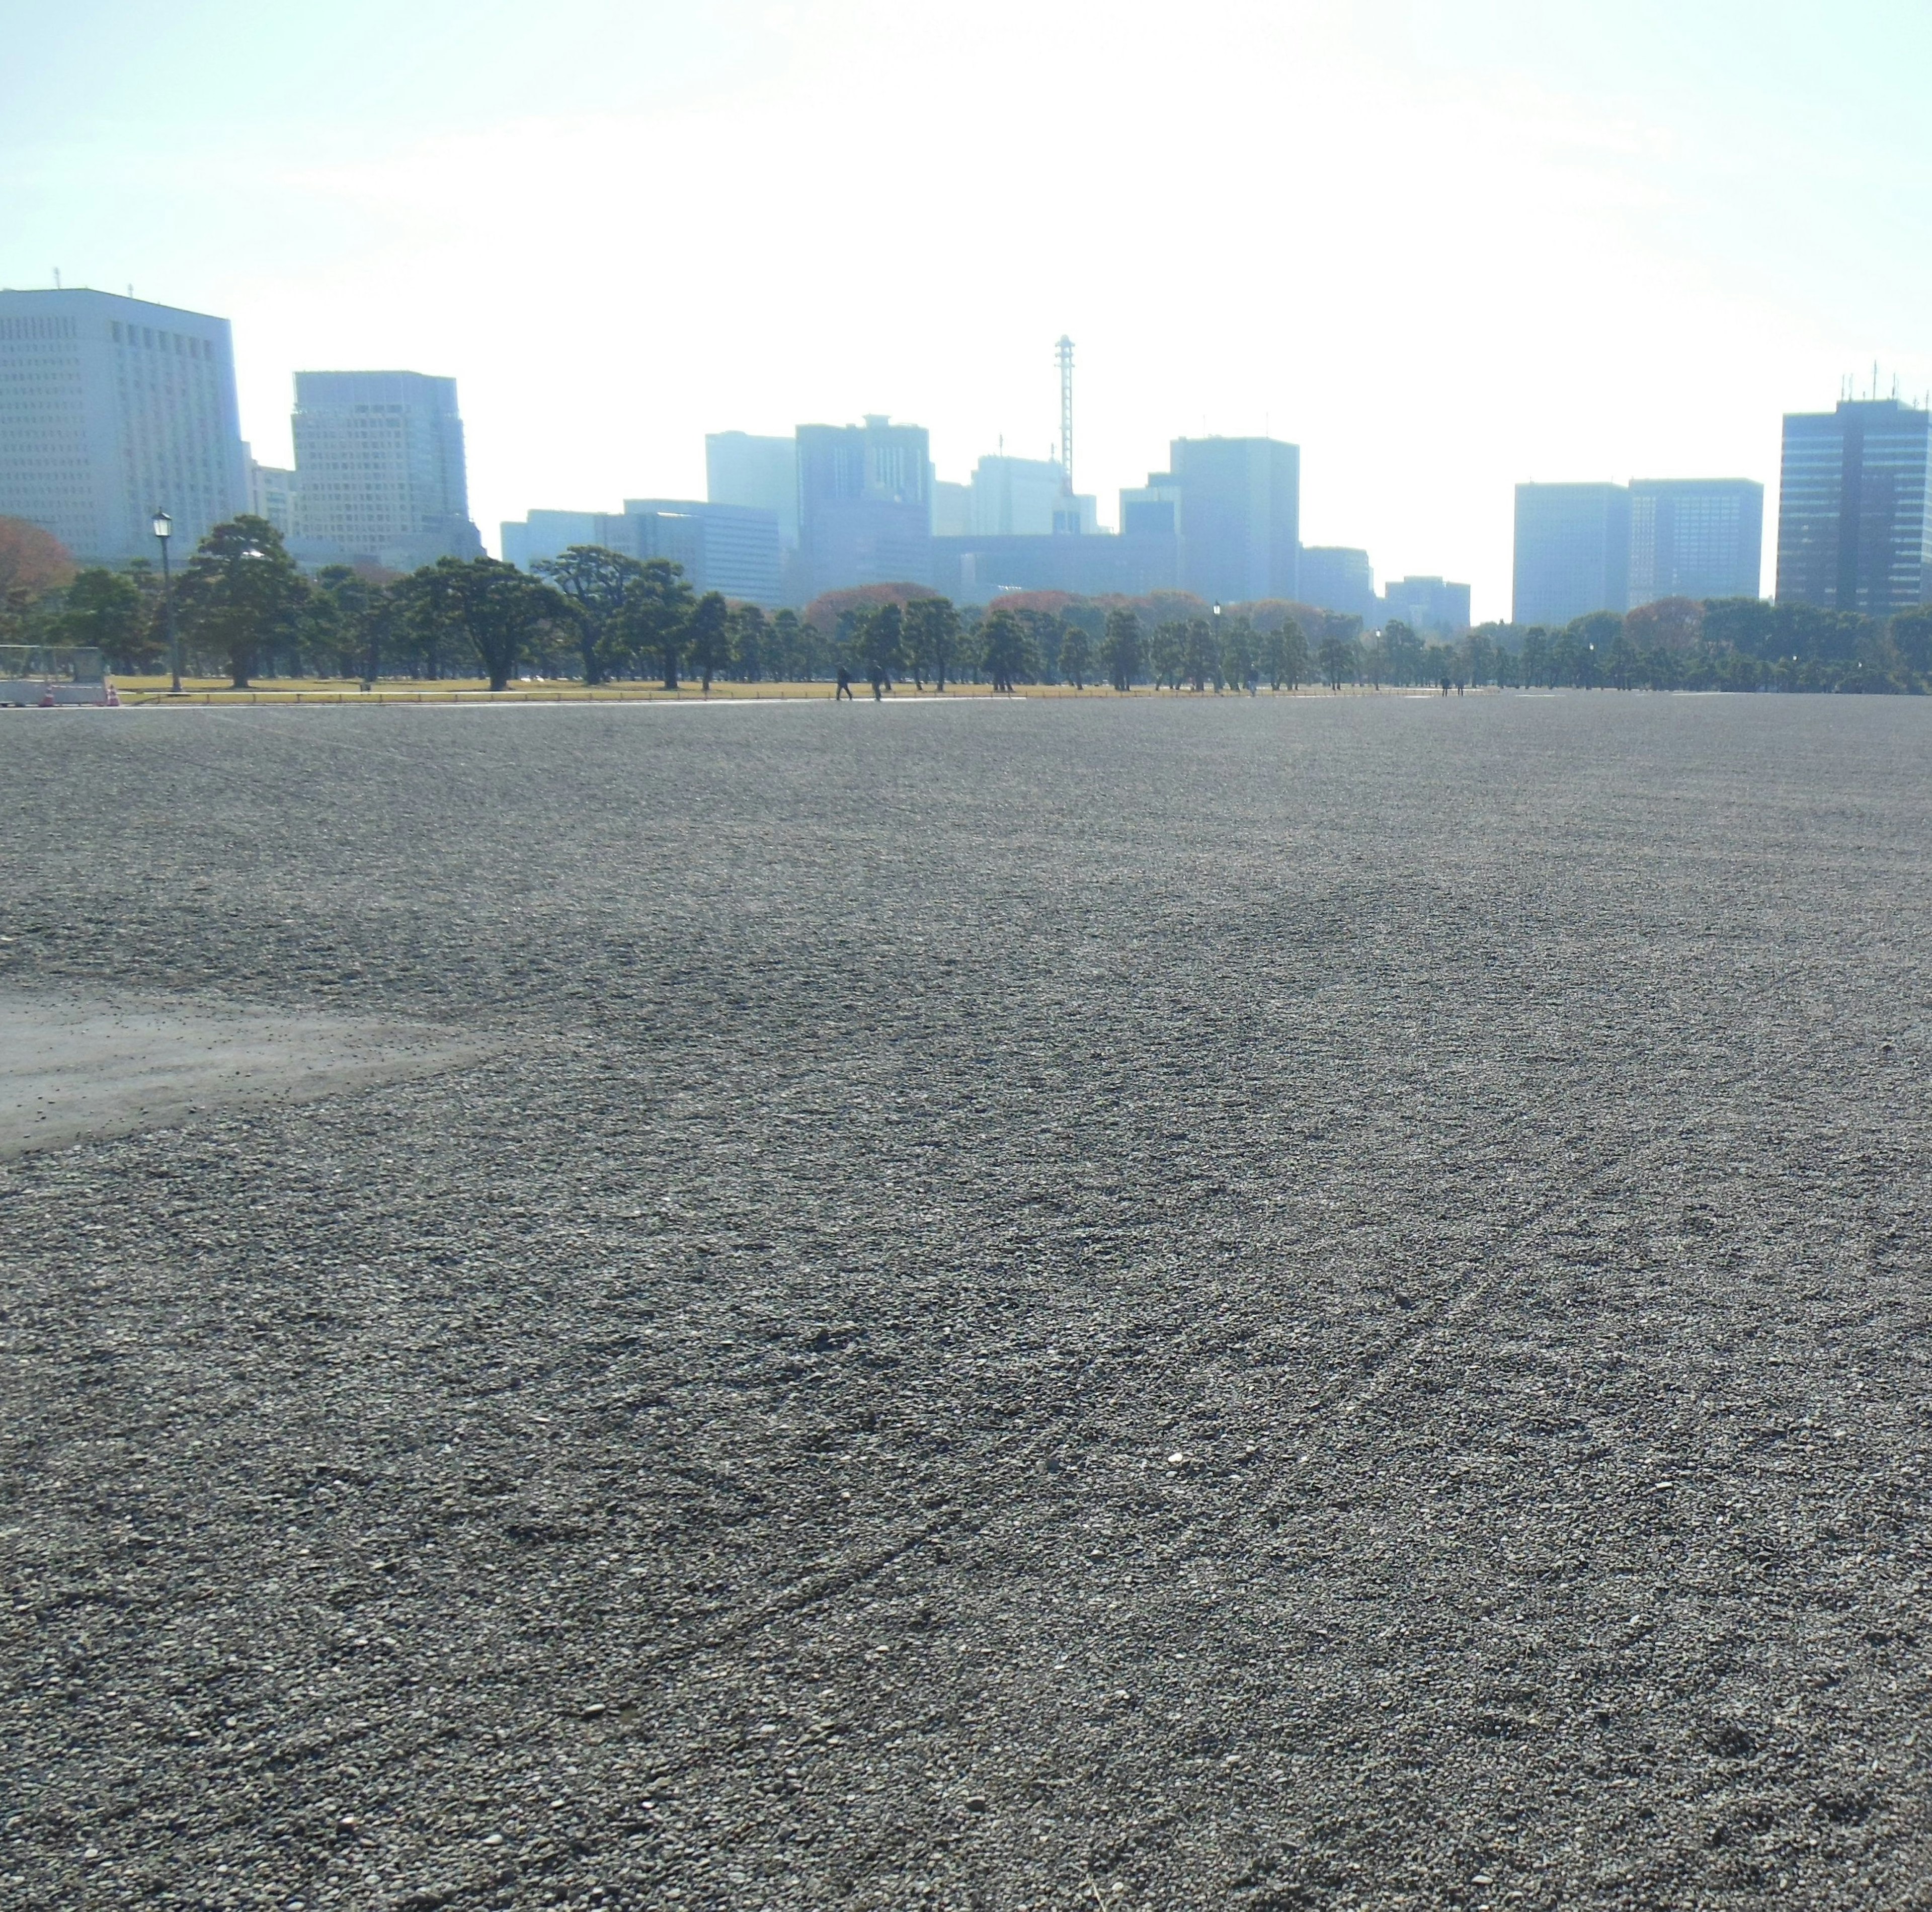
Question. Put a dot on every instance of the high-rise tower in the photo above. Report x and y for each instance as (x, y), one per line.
(1063, 352)
(380, 469)
(110, 409)
(1855, 508)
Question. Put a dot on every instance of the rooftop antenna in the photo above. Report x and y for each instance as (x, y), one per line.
(1064, 352)
(57, 283)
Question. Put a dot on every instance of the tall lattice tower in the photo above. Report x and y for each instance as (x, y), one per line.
(1064, 352)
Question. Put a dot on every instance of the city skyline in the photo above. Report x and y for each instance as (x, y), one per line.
(1582, 243)
(99, 408)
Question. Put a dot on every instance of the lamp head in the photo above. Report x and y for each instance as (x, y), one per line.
(164, 526)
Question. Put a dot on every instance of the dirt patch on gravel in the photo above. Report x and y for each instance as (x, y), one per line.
(71, 1067)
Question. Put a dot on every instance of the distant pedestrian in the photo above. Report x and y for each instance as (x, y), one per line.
(1445, 686)
(878, 677)
(844, 689)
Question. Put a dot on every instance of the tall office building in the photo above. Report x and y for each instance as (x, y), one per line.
(1430, 606)
(1572, 551)
(271, 494)
(379, 469)
(1152, 510)
(1855, 508)
(1237, 510)
(865, 504)
(1695, 538)
(952, 509)
(731, 548)
(1016, 497)
(1335, 578)
(111, 409)
(542, 534)
(741, 469)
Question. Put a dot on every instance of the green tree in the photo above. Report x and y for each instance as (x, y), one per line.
(504, 613)
(107, 610)
(931, 640)
(1241, 652)
(1402, 651)
(1168, 653)
(878, 642)
(239, 592)
(708, 638)
(350, 620)
(1199, 654)
(1284, 655)
(594, 581)
(657, 611)
(1123, 649)
(750, 635)
(791, 646)
(1076, 657)
(1911, 636)
(1539, 665)
(1003, 649)
(1339, 658)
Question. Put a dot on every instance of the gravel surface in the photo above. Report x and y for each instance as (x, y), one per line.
(1265, 1303)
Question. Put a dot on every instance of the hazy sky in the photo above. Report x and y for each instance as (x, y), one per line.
(1442, 247)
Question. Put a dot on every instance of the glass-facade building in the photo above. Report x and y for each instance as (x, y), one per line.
(742, 468)
(865, 504)
(1434, 606)
(1572, 552)
(110, 409)
(1339, 578)
(1239, 516)
(1695, 538)
(1855, 508)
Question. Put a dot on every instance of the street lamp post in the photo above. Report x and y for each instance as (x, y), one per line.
(164, 527)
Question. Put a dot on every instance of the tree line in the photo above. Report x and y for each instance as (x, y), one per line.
(242, 606)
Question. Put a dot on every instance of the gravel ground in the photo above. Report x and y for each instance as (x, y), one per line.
(1263, 1303)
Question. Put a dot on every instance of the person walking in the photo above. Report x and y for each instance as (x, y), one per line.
(878, 677)
(844, 689)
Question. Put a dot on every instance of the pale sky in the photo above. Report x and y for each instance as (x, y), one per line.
(1441, 246)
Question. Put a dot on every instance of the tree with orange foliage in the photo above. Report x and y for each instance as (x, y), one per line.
(33, 563)
(825, 610)
(1668, 624)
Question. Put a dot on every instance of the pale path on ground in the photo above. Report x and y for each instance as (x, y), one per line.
(74, 1066)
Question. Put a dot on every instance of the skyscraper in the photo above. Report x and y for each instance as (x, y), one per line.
(271, 494)
(1337, 577)
(1016, 497)
(1855, 508)
(865, 504)
(740, 469)
(1432, 605)
(111, 409)
(1239, 516)
(379, 469)
(1695, 538)
(1572, 551)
